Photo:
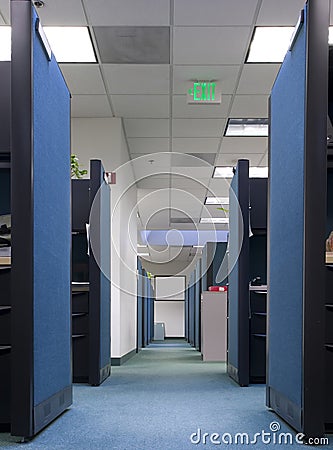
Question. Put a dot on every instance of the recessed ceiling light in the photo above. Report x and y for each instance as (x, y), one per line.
(142, 245)
(214, 220)
(258, 172)
(71, 44)
(217, 201)
(269, 44)
(198, 246)
(143, 254)
(5, 43)
(247, 127)
(223, 172)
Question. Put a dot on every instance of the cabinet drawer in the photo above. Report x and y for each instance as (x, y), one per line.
(80, 302)
(4, 327)
(258, 301)
(258, 323)
(5, 388)
(329, 285)
(80, 358)
(80, 323)
(329, 386)
(5, 287)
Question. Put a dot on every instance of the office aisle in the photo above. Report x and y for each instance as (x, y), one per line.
(155, 402)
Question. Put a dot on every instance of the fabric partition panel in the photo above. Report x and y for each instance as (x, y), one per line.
(100, 274)
(286, 236)
(297, 221)
(139, 306)
(41, 229)
(197, 307)
(238, 299)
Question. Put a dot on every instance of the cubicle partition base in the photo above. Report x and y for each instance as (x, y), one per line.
(104, 373)
(286, 409)
(233, 373)
(49, 409)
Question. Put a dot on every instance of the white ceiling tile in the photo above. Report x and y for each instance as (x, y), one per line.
(151, 165)
(183, 110)
(210, 45)
(141, 106)
(148, 145)
(282, 12)
(5, 11)
(244, 145)
(226, 75)
(212, 12)
(264, 160)
(205, 172)
(137, 78)
(189, 183)
(154, 183)
(147, 127)
(230, 159)
(195, 145)
(250, 106)
(219, 187)
(128, 12)
(257, 78)
(191, 128)
(90, 106)
(83, 78)
(62, 12)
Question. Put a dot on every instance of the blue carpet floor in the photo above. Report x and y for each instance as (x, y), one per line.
(156, 401)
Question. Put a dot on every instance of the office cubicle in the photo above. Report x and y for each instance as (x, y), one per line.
(299, 367)
(91, 272)
(35, 346)
(247, 279)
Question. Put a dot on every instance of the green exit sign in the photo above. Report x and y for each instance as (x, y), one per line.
(207, 92)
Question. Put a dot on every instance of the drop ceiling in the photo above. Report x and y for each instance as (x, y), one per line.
(147, 51)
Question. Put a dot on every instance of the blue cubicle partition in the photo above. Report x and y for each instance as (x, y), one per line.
(238, 301)
(139, 344)
(99, 275)
(197, 306)
(297, 221)
(148, 310)
(41, 229)
(186, 314)
(191, 308)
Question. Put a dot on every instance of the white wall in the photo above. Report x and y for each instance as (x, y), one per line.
(104, 139)
(173, 315)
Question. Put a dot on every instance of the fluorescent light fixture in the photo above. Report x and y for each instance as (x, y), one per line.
(217, 201)
(142, 245)
(143, 254)
(258, 172)
(214, 220)
(330, 36)
(247, 127)
(5, 43)
(269, 44)
(71, 44)
(223, 172)
(198, 246)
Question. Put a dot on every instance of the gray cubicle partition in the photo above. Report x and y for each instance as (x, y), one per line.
(297, 226)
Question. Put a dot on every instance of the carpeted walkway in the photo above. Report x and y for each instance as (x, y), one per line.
(155, 402)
